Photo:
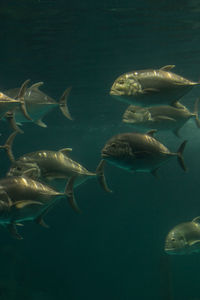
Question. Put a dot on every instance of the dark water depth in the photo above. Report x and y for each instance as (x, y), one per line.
(114, 250)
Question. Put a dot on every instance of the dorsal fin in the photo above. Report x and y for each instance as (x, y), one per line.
(65, 151)
(36, 86)
(151, 132)
(167, 67)
(196, 220)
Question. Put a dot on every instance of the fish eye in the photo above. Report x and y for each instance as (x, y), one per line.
(173, 239)
(113, 145)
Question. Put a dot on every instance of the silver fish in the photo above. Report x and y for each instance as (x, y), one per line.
(137, 152)
(24, 199)
(184, 238)
(39, 104)
(151, 87)
(52, 166)
(160, 117)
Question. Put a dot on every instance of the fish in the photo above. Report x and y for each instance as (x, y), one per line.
(150, 87)
(184, 238)
(39, 104)
(51, 166)
(24, 199)
(138, 152)
(160, 117)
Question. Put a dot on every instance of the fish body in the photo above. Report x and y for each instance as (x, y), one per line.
(139, 152)
(24, 199)
(184, 238)
(38, 104)
(48, 165)
(159, 117)
(151, 87)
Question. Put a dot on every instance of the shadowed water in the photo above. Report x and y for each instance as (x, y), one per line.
(115, 248)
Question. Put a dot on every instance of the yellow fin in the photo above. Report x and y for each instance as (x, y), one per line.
(23, 203)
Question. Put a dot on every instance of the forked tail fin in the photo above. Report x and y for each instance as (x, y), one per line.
(20, 96)
(180, 155)
(63, 104)
(8, 146)
(101, 176)
(69, 192)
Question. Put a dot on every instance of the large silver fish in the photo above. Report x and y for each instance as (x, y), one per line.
(137, 152)
(52, 166)
(39, 104)
(160, 117)
(184, 238)
(151, 87)
(25, 199)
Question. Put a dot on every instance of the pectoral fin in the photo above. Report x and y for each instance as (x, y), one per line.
(150, 90)
(164, 118)
(23, 203)
(167, 68)
(192, 243)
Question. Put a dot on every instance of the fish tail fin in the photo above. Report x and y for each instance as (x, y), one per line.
(8, 146)
(101, 176)
(69, 192)
(10, 117)
(196, 112)
(180, 155)
(21, 98)
(63, 104)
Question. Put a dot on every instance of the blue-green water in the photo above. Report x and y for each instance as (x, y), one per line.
(114, 249)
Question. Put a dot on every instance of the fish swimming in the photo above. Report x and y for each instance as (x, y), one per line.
(151, 87)
(39, 104)
(53, 167)
(137, 152)
(24, 199)
(184, 238)
(160, 117)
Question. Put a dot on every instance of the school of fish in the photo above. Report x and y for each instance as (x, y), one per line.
(30, 188)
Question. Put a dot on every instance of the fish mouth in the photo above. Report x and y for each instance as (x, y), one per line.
(104, 155)
(114, 92)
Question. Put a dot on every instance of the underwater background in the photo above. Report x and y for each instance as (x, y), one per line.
(115, 248)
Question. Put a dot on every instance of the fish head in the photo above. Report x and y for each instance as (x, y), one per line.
(118, 151)
(28, 169)
(136, 115)
(176, 242)
(126, 85)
